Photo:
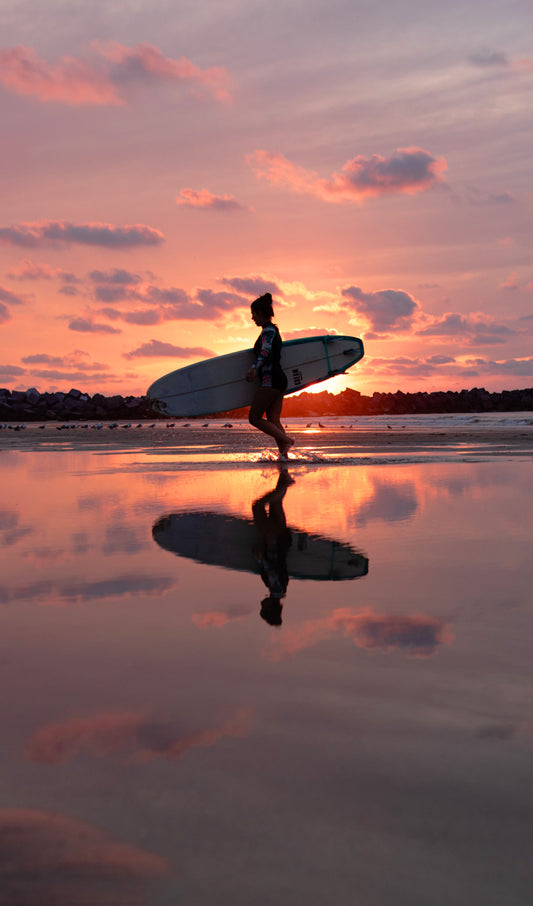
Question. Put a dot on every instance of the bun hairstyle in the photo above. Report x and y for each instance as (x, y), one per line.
(263, 305)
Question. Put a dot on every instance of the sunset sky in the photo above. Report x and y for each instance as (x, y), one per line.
(165, 163)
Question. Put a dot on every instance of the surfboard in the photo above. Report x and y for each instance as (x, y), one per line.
(232, 542)
(218, 384)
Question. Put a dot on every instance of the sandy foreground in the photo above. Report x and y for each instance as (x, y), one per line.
(219, 438)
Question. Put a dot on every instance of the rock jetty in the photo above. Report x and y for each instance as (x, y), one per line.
(30, 405)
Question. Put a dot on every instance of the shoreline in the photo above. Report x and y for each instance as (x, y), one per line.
(239, 439)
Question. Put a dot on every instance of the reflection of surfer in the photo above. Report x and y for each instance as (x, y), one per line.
(271, 552)
(268, 398)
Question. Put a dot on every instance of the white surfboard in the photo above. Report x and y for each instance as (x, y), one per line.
(218, 384)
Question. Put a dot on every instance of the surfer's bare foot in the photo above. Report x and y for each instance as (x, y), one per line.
(285, 447)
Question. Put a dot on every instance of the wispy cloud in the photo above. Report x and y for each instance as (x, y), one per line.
(30, 270)
(11, 298)
(407, 171)
(498, 59)
(61, 232)
(106, 74)
(205, 200)
(157, 348)
(85, 325)
(253, 285)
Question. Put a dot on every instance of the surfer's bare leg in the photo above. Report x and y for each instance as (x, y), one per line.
(264, 399)
(273, 414)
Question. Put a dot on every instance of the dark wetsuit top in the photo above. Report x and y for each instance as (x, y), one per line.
(267, 348)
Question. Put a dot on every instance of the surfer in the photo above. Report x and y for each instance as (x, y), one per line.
(268, 398)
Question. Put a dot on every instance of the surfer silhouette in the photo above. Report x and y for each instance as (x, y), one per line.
(268, 398)
(271, 551)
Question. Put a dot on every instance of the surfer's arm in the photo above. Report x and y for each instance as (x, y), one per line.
(265, 353)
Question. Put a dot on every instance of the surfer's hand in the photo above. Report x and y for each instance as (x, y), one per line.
(250, 374)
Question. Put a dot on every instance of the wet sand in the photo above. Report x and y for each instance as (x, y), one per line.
(241, 438)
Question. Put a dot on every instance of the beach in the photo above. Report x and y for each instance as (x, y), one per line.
(228, 679)
(494, 434)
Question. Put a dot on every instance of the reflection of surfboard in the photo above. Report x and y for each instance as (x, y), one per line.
(228, 541)
(218, 384)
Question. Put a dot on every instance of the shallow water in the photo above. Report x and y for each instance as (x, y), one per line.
(163, 742)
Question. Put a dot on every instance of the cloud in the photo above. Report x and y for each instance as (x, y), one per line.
(489, 58)
(29, 270)
(10, 371)
(475, 329)
(478, 198)
(253, 285)
(10, 298)
(5, 314)
(145, 63)
(74, 359)
(498, 59)
(133, 735)
(51, 858)
(407, 171)
(158, 348)
(107, 74)
(418, 635)
(205, 200)
(117, 280)
(83, 325)
(384, 310)
(61, 232)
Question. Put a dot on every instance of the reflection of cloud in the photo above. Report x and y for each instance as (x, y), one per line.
(11, 531)
(418, 635)
(53, 859)
(131, 735)
(219, 618)
(390, 502)
(71, 592)
(407, 171)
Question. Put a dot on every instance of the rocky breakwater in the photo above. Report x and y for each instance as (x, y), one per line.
(30, 406)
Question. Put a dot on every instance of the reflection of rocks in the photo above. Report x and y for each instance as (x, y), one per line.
(30, 405)
(47, 858)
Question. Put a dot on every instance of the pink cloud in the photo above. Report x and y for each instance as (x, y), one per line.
(253, 285)
(69, 81)
(407, 171)
(475, 329)
(104, 77)
(146, 61)
(384, 310)
(205, 200)
(52, 858)
(29, 270)
(418, 635)
(158, 348)
(133, 735)
(84, 325)
(61, 232)
(5, 314)
(7, 296)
